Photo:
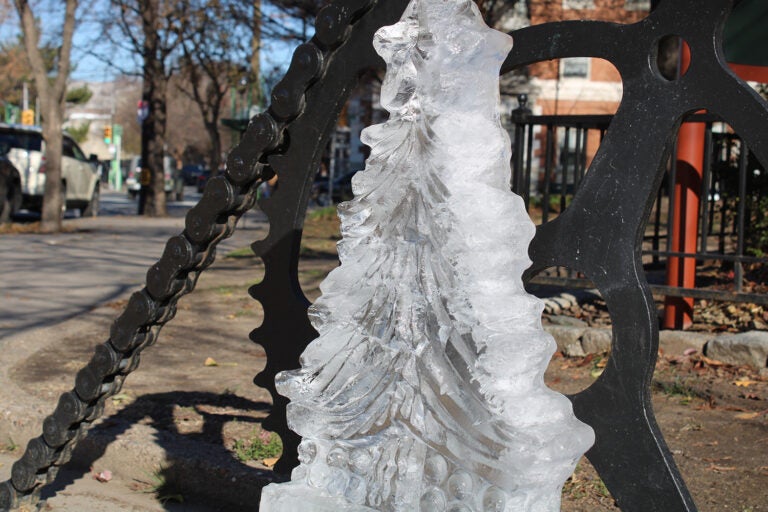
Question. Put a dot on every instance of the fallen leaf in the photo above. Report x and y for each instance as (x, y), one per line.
(712, 362)
(690, 352)
(716, 459)
(744, 382)
(270, 462)
(747, 415)
(721, 469)
(209, 361)
(231, 316)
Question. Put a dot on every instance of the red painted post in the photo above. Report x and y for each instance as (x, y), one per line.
(681, 271)
(678, 311)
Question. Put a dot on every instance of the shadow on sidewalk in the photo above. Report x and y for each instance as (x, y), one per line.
(190, 428)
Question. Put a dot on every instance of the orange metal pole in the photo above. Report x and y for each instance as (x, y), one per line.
(678, 311)
(681, 271)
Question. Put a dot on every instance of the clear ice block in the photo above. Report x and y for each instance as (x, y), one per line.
(425, 389)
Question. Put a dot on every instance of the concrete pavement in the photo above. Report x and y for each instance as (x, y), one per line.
(45, 279)
(55, 292)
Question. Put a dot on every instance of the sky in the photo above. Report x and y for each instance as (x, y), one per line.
(87, 67)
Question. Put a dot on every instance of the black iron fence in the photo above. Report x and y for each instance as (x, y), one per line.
(552, 154)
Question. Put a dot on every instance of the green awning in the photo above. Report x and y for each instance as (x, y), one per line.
(746, 34)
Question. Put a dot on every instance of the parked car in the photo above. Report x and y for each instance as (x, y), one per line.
(202, 179)
(24, 147)
(190, 173)
(132, 172)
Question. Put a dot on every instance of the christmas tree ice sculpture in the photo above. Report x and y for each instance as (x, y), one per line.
(425, 390)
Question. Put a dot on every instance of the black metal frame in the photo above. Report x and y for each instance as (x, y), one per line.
(600, 234)
(727, 212)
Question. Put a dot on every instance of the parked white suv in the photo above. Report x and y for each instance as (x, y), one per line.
(24, 147)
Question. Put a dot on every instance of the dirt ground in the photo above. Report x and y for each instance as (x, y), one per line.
(196, 383)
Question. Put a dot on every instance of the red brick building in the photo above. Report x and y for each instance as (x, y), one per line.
(579, 85)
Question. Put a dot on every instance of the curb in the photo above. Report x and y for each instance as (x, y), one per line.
(575, 338)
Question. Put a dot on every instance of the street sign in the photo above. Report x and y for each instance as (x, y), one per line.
(142, 111)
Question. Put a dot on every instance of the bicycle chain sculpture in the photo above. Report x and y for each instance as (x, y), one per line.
(599, 234)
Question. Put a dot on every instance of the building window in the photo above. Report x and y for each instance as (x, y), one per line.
(578, 4)
(637, 5)
(574, 67)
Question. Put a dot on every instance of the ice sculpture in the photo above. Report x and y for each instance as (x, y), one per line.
(425, 390)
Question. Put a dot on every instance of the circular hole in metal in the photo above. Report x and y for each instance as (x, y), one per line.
(672, 57)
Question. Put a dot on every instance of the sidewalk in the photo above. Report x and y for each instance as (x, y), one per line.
(171, 434)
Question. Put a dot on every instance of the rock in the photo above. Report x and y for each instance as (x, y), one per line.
(596, 341)
(568, 339)
(677, 342)
(566, 320)
(747, 348)
(551, 307)
(562, 302)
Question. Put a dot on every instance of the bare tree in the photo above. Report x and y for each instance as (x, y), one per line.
(215, 48)
(220, 39)
(5, 10)
(150, 29)
(52, 93)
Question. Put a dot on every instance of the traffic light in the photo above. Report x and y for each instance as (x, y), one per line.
(28, 117)
(108, 134)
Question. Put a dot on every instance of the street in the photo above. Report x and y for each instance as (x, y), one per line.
(46, 279)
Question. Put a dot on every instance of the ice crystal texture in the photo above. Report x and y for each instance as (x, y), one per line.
(425, 390)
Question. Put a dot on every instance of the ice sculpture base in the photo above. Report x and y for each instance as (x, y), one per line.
(297, 496)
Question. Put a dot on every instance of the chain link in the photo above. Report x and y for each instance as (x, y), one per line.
(225, 199)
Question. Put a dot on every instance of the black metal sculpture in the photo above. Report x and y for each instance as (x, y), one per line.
(599, 234)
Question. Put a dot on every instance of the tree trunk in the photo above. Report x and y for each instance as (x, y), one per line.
(215, 155)
(256, 55)
(153, 128)
(52, 94)
(53, 209)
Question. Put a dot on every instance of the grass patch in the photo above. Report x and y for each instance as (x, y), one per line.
(241, 253)
(580, 486)
(677, 388)
(261, 445)
(240, 289)
(158, 485)
(326, 213)
(9, 447)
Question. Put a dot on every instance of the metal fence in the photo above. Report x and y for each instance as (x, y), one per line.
(551, 155)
